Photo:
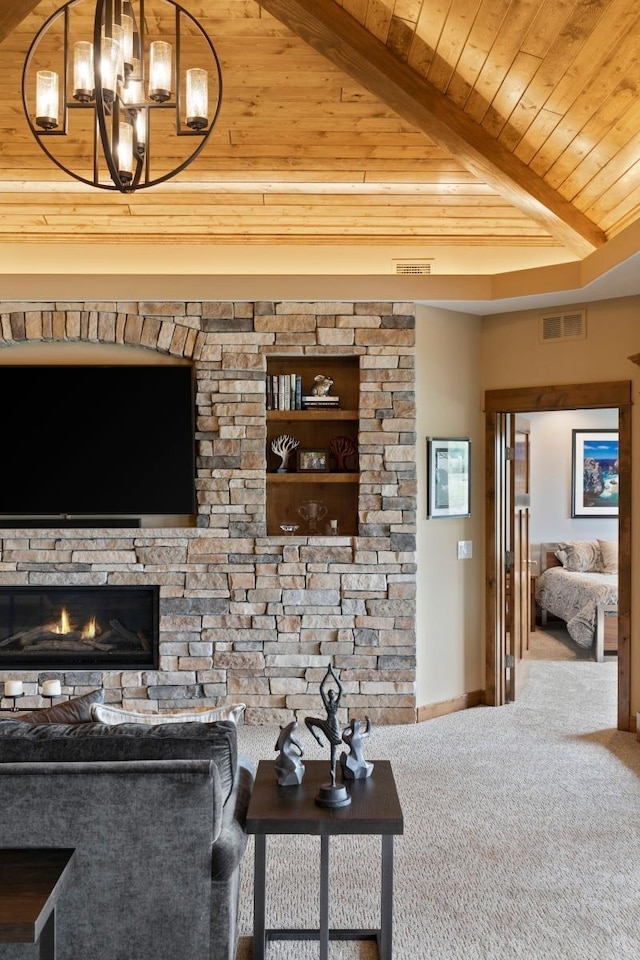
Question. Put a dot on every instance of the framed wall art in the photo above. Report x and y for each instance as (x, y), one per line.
(594, 473)
(448, 477)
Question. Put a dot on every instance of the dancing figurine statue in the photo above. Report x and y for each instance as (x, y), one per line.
(289, 766)
(354, 766)
(331, 794)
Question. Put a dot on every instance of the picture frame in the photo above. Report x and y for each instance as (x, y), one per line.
(448, 477)
(594, 473)
(312, 461)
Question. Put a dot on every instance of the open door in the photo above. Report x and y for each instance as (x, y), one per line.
(513, 594)
(518, 567)
(506, 493)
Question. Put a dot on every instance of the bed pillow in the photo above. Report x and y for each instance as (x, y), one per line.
(580, 556)
(105, 713)
(77, 710)
(609, 551)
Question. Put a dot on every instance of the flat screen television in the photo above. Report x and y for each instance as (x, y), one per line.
(97, 441)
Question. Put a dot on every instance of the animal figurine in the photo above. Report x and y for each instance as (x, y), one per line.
(289, 767)
(321, 386)
(354, 766)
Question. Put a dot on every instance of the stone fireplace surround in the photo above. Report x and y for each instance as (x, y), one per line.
(246, 617)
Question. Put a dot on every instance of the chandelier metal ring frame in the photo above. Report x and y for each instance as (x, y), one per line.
(115, 110)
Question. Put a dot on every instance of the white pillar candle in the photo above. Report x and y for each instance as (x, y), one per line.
(13, 688)
(51, 688)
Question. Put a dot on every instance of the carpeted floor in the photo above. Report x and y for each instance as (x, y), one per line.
(521, 842)
(552, 642)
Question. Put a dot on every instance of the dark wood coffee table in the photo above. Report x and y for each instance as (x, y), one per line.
(374, 809)
(31, 881)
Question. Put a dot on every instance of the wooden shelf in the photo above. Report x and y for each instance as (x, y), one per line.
(313, 477)
(312, 414)
(315, 429)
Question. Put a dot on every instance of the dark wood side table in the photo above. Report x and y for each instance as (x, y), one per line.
(31, 881)
(374, 809)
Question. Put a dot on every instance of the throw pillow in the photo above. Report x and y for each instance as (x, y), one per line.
(77, 710)
(580, 556)
(609, 551)
(105, 713)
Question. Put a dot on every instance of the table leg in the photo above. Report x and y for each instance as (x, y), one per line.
(386, 899)
(259, 897)
(48, 938)
(324, 898)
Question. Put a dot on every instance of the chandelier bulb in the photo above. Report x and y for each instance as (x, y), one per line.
(83, 78)
(159, 71)
(197, 99)
(47, 99)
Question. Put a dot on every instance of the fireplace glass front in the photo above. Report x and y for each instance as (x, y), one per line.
(79, 627)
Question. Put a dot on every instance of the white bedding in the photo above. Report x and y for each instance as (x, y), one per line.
(574, 597)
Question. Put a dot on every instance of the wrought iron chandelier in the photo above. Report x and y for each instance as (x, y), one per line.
(97, 91)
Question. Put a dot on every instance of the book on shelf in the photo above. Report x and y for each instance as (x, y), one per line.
(284, 391)
(320, 403)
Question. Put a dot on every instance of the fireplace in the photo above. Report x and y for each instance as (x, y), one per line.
(77, 627)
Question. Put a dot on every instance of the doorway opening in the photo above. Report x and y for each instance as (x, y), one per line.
(501, 409)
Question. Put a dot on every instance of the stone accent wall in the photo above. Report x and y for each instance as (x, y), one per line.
(246, 617)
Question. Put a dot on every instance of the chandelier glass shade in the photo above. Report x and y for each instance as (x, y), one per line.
(122, 94)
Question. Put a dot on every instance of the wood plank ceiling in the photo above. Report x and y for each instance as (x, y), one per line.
(405, 122)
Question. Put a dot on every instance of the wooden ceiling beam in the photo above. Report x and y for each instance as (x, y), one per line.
(12, 13)
(341, 39)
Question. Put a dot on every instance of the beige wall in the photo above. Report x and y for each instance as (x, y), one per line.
(450, 635)
(512, 355)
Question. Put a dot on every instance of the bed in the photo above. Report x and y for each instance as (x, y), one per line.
(578, 582)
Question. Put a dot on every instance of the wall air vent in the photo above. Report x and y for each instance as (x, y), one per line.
(412, 268)
(560, 327)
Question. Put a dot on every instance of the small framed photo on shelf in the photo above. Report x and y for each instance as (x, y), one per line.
(312, 461)
(448, 475)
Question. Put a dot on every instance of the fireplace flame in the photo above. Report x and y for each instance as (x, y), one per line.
(90, 630)
(64, 626)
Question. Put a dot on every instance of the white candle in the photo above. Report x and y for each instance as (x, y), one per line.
(13, 688)
(51, 688)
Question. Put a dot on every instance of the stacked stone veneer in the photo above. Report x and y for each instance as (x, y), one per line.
(246, 617)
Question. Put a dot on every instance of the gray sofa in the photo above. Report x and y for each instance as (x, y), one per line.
(156, 816)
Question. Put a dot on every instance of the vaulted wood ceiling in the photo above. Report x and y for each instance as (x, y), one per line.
(407, 122)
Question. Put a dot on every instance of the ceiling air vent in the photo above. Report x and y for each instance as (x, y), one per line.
(557, 327)
(412, 268)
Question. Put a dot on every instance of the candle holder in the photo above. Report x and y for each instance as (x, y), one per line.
(50, 689)
(13, 689)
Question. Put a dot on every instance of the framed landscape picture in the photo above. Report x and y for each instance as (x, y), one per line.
(594, 473)
(448, 477)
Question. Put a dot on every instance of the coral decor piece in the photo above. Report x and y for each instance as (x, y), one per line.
(341, 448)
(283, 446)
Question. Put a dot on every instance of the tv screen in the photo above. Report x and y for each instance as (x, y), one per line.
(97, 440)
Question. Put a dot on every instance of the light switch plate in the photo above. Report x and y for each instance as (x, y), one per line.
(465, 549)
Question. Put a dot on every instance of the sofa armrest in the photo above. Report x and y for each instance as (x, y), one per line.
(142, 831)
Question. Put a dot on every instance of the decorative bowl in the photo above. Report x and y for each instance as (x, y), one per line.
(289, 527)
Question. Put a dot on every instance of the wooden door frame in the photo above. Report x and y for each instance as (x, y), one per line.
(574, 396)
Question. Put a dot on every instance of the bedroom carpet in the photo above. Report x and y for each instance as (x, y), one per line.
(521, 842)
(553, 642)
